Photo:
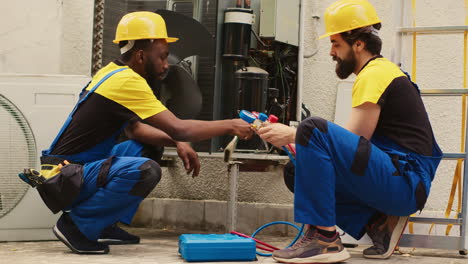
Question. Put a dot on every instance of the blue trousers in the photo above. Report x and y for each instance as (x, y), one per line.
(343, 179)
(103, 202)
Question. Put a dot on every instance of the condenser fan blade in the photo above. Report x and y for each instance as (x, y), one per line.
(180, 93)
(194, 38)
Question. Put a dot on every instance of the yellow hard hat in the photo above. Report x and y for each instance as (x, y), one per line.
(345, 15)
(142, 25)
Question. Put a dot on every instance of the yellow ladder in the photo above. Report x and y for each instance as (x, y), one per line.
(461, 179)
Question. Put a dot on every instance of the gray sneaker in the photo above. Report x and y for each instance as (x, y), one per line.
(385, 234)
(313, 248)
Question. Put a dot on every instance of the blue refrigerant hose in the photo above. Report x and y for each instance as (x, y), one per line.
(299, 233)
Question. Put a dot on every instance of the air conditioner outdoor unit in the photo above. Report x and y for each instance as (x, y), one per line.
(32, 111)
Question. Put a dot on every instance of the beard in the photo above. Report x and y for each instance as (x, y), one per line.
(345, 66)
(151, 76)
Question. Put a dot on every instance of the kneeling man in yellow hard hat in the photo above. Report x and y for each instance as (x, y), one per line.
(98, 182)
(368, 176)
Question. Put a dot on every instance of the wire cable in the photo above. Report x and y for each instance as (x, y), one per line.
(270, 247)
(259, 39)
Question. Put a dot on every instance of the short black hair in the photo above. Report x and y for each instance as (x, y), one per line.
(373, 42)
(140, 44)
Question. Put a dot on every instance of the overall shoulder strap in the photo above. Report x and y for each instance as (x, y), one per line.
(70, 117)
(409, 77)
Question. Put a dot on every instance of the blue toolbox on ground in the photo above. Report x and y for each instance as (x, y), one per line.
(216, 247)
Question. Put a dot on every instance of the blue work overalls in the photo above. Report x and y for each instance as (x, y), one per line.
(112, 196)
(343, 179)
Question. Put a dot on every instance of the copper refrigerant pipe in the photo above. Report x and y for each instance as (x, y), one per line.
(246, 3)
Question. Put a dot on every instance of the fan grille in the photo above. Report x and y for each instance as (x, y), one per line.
(17, 151)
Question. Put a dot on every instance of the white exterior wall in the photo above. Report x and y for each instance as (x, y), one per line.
(46, 37)
(76, 36)
(55, 37)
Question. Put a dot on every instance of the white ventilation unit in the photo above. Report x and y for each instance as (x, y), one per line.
(32, 111)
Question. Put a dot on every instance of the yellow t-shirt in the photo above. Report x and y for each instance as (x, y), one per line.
(128, 89)
(373, 80)
(403, 118)
(98, 121)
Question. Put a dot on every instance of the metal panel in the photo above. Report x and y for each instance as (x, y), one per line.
(433, 30)
(287, 21)
(439, 92)
(280, 20)
(433, 220)
(464, 207)
(267, 18)
(454, 156)
(430, 241)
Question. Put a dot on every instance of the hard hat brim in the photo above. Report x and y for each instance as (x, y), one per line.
(338, 32)
(168, 39)
(326, 35)
(171, 40)
(329, 34)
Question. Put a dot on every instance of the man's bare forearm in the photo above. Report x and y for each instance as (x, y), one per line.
(147, 134)
(197, 130)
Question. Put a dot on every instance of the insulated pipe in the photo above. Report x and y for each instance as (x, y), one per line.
(413, 62)
(315, 20)
(464, 201)
(396, 54)
(464, 208)
(300, 62)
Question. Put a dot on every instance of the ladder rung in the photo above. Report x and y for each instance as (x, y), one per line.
(444, 91)
(430, 220)
(454, 156)
(431, 241)
(433, 30)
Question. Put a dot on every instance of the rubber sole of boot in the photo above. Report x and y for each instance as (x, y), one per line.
(322, 258)
(62, 238)
(107, 241)
(394, 240)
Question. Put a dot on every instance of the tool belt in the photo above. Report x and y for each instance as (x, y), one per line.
(61, 182)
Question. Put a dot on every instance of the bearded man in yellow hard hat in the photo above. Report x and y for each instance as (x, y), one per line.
(97, 181)
(370, 175)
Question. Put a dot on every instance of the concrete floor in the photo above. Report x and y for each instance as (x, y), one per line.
(159, 246)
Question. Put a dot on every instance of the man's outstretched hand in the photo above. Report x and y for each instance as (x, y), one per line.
(189, 157)
(242, 129)
(277, 134)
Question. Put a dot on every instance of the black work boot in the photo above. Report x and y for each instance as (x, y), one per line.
(385, 234)
(67, 232)
(114, 235)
